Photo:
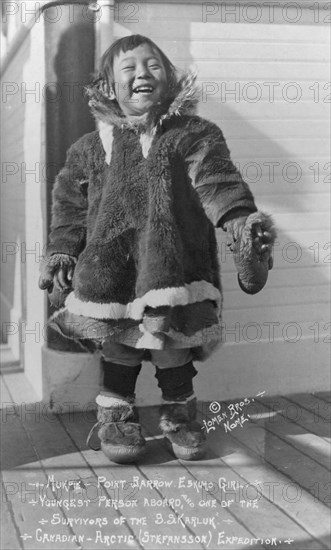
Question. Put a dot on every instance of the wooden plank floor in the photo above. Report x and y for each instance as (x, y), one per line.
(265, 484)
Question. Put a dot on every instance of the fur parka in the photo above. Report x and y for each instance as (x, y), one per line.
(135, 208)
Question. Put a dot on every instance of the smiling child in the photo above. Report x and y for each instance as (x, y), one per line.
(132, 257)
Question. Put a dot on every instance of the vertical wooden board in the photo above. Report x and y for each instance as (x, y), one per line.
(141, 518)
(262, 479)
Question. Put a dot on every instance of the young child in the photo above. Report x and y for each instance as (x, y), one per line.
(132, 257)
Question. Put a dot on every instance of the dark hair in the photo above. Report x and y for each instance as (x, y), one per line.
(129, 43)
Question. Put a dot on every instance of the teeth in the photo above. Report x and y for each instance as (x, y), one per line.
(143, 89)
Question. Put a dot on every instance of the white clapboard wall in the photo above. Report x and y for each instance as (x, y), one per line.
(263, 72)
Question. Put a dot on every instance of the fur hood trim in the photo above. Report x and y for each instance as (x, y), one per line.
(181, 100)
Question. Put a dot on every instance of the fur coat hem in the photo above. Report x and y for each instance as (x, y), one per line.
(196, 291)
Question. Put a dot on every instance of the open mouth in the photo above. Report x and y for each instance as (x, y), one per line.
(143, 89)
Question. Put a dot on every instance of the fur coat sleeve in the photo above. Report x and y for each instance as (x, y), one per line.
(214, 176)
(229, 203)
(69, 200)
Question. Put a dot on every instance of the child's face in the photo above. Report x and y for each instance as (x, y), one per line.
(140, 79)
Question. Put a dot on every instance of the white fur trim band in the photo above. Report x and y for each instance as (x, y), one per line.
(145, 142)
(106, 136)
(109, 401)
(95, 310)
(198, 291)
(183, 402)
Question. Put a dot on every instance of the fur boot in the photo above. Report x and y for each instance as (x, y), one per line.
(182, 431)
(119, 431)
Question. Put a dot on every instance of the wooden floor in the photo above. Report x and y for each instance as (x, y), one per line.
(265, 484)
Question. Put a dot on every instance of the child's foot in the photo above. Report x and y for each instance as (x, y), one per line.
(119, 431)
(184, 434)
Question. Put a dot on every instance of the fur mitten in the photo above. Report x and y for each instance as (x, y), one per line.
(251, 239)
(49, 267)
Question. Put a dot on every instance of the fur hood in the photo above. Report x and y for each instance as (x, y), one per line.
(181, 100)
